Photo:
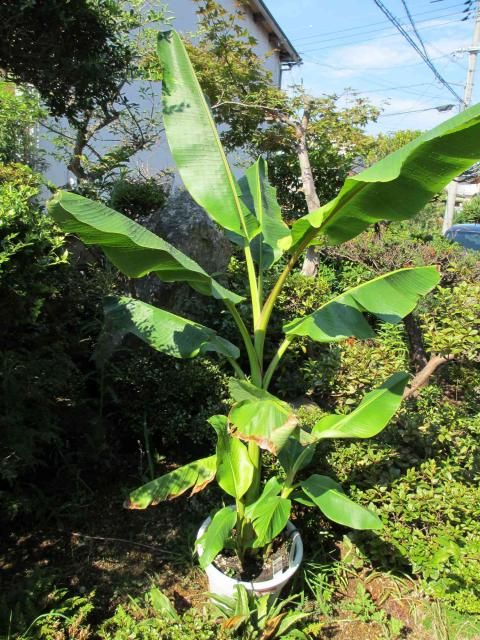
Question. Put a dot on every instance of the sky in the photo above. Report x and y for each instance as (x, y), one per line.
(351, 44)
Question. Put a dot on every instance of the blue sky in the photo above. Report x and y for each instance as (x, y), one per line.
(351, 44)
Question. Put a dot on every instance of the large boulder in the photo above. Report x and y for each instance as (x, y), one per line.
(185, 225)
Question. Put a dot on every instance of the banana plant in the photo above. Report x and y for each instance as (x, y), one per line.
(395, 188)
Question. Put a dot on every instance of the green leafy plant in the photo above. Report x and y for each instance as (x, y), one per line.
(393, 189)
(154, 617)
(138, 197)
(259, 618)
(470, 212)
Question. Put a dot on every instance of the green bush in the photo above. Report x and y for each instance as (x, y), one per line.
(170, 399)
(147, 618)
(421, 474)
(137, 197)
(470, 212)
(450, 319)
(30, 246)
(20, 112)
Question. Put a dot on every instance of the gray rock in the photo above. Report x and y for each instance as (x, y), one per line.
(185, 225)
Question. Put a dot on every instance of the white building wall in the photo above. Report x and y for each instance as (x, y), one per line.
(158, 158)
(467, 190)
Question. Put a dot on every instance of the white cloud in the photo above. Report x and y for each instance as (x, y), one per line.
(351, 60)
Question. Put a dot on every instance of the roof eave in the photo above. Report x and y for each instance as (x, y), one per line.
(288, 54)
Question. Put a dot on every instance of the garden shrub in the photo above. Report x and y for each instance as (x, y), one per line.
(20, 111)
(138, 197)
(145, 619)
(470, 212)
(450, 320)
(421, 474)
(171, 399)
(30, 246)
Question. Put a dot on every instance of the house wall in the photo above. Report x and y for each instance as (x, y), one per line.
(158, 158)
(467, 190)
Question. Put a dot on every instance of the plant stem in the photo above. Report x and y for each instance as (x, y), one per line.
(275, 360)
(274, 293)
(252, 356)
(252, 280)
(256, 457)
(236, 367)
(240, 509)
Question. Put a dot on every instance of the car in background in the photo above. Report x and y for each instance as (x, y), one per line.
(467, 235)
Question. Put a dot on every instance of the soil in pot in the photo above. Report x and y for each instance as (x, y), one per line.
(256, 568)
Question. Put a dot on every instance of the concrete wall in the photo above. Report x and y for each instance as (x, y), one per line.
(466, 190)
(158, 158)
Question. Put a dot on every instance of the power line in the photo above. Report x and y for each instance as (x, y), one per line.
(374, 24)
(391, 33)
(386, 30)
(441, 109)
(353, 69)
(404, 88)
(414, 27)
(412, 42)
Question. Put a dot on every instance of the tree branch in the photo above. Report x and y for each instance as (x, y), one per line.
(278, 114)
(422, 378)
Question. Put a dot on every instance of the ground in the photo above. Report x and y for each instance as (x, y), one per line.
(100, 547)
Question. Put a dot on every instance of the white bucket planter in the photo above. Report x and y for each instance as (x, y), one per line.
(223, 585)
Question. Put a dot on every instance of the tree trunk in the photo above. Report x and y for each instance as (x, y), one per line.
(418, 357)
(422, 378)
(310, 263)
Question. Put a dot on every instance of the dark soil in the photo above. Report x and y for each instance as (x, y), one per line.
(257, 568)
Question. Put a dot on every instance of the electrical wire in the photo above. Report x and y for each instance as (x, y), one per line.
(402, 113)
(412, 42)
(414, 27)
(332, 43)
(403, 66)
(374, 24)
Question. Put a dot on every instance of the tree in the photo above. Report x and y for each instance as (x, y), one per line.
(20, 111)
(132, 125)
(81, 66)
(310, 142)
(334, 138)
(73, 53)
(383, 144)
(232, 74)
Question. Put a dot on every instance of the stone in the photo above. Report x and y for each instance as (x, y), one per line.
(186, 226)
(183, 223)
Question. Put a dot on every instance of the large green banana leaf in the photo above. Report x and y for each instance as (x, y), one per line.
(195, 144)
(260, 417)
(261, 197)
(295, 456)
(330, 498)
(164, 331)
(195, 475)
(269, 514)
(234, 467)
(134, 250)
(398, 186)
(370, 417)
(389, 297)
(216, 535)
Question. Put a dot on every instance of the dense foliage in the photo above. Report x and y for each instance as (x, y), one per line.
(77, 434)
(20, 112)
(260, 117)
(73, 54)
(470, 211)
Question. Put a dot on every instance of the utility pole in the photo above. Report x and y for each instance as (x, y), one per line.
(467, 98)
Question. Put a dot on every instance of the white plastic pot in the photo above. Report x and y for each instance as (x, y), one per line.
(223, 585)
